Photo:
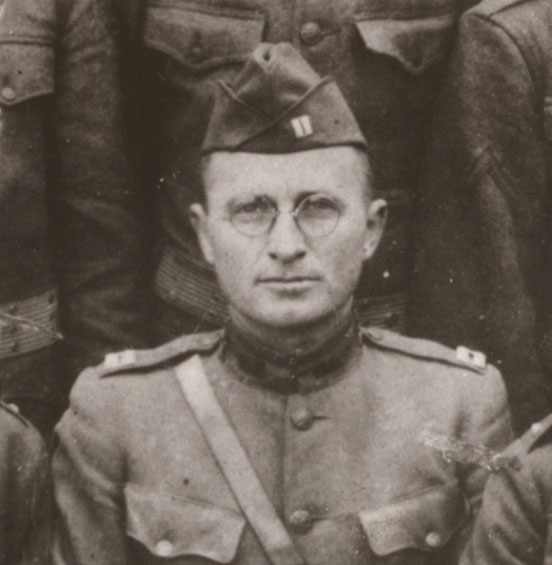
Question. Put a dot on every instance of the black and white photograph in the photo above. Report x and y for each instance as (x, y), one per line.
(274, 282)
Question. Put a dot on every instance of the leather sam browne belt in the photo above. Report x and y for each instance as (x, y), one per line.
(191, 285)
(28, 325)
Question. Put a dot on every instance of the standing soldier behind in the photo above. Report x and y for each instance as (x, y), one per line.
(66, 234)
(387, 57)
(484, 267)
(293, 437)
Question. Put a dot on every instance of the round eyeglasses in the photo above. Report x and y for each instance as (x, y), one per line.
(315, 216)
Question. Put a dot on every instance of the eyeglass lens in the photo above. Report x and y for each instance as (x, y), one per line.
(316, 215)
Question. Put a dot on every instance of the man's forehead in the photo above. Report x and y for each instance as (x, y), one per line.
(227, 167)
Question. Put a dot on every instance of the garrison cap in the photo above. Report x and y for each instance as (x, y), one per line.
(279, 104)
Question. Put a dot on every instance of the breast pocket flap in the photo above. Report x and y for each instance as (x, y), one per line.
(426, 521)
(416, 44)
(170, 527)
(202, 40)
(26, 71)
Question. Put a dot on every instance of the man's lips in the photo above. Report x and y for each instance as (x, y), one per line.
(295, 279)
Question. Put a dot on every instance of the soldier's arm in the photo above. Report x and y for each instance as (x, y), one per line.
(486, 422)
(24, 492)
(483, 201)
(100, 238)
(512, 524)
(88, 476)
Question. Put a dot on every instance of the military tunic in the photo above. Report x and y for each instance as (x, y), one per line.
(335, 437)
(24, 492)
(513, 526)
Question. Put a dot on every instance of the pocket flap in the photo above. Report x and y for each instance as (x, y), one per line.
(415, 44)
(202, 39)
(426, 521)
(173, 526)
(26, 71)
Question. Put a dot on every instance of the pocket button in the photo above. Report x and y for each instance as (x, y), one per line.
(301, 521)
(433, 539)
(8, 93)
(311, 34)
(164, 548)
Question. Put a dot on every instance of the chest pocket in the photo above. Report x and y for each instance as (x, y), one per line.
(202, 38)
(417, 44)
(425, 522)
(171, 527)
(26, 71)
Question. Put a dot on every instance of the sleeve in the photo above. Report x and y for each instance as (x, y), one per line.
(485, 423)
(97, 213)
(88, 476)
(511, 526)
(25, 492)
(482, 212)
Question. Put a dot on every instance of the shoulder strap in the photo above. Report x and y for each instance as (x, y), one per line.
(235, 465)
(425, 349)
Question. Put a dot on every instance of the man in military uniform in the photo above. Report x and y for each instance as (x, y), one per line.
(66, 236)
(293, 436)
(485, 255)
(24, 492)
(513, 527)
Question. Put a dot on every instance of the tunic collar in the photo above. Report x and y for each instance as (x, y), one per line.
(302, 370)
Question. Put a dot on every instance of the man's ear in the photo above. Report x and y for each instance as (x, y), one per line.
(198, 218)
(375, 224)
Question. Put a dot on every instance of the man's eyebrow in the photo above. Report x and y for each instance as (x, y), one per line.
(246, 198)
(306, 193)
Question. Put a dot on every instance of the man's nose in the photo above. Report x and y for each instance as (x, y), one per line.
(286, 242)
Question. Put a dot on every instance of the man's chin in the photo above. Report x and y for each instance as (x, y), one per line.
(292, 317)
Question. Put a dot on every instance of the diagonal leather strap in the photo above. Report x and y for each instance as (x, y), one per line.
(235, 465)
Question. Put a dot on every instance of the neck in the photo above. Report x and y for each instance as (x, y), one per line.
(287, 362)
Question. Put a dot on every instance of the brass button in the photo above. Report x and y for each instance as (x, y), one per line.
(375, 334)
(536, 428)
(434, 539)
(300, 521)
(302, 419)
(8, 93)
(164, 548)
(311, 34)
(14, 407)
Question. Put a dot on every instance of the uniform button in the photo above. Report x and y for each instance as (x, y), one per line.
(8, 93)
(14, 407)
(375, 334)
(301, 521)
(311, 33)
(433, 539)
(164, 548)
(536, 428)
(302, 419)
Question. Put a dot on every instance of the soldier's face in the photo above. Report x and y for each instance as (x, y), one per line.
(302, 264)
